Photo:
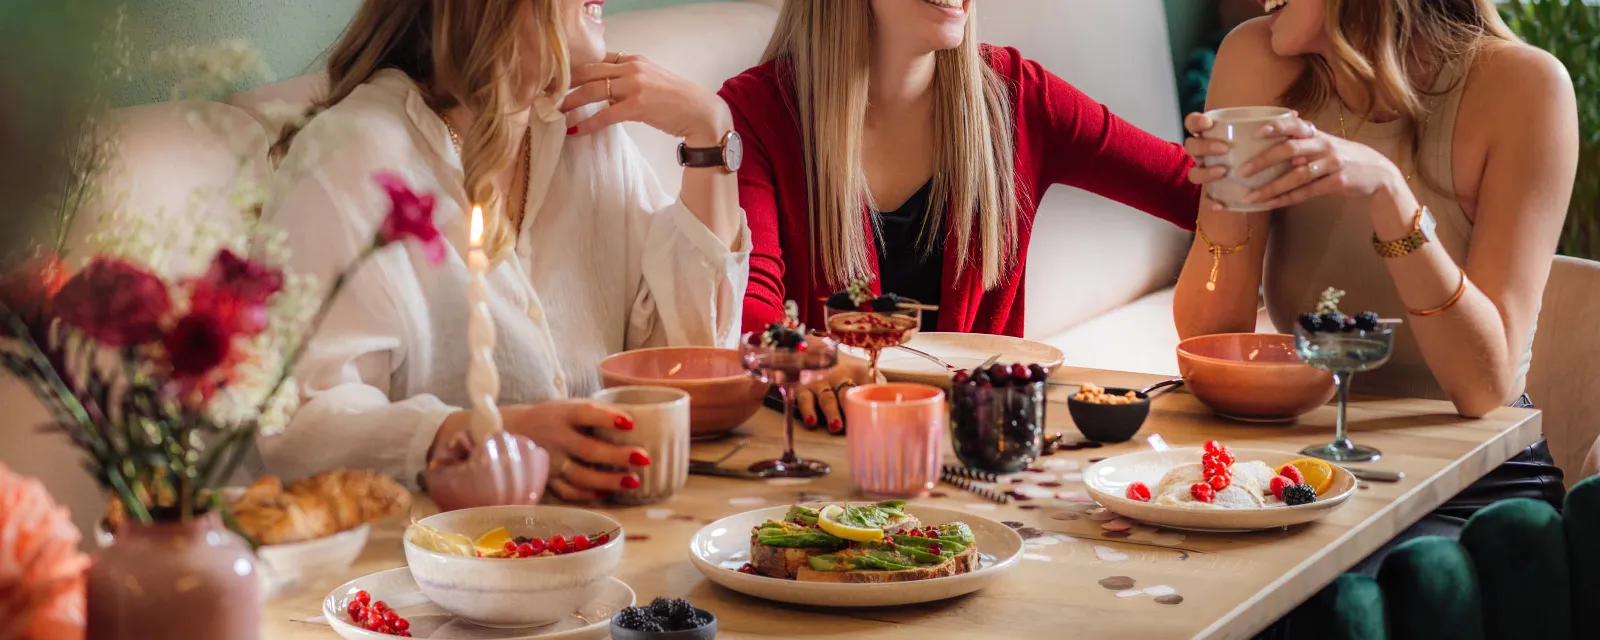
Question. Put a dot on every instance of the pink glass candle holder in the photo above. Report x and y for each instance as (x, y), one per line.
(503, 469)
(896, 438)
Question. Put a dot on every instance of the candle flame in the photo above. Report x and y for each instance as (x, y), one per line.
(477, 225)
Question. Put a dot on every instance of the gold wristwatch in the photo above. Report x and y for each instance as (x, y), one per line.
(1422, 232)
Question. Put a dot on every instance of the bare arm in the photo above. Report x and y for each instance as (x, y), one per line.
(1475, 347)
(1247, 73)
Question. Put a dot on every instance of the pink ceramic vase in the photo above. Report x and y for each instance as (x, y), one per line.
(174, 580)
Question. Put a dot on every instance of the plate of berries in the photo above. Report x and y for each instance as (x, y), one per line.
(1219, 489)
(389, 604)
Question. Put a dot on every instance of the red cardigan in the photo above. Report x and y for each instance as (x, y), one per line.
(1063, 137)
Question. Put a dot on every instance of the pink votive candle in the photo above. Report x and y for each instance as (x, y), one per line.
(895, 437)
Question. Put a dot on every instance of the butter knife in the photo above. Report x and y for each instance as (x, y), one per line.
(1376, 475)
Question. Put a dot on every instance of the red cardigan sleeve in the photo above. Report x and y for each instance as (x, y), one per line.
(1086, 146)
(758, 196)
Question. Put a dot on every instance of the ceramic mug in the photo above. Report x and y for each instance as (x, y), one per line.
(1240, 128)
(660, 427)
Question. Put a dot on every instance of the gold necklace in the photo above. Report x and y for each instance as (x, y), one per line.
(527, 146)
(1344, 133)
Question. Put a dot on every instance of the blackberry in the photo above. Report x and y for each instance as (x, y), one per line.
(1367, 321)
(790, 339)
(1333, 321)
(886, 302)
(1311, 322)
(635, 618)
(841, 301)
(660, 607)
(1349, 324)
(699, 620)
(1298, 494)
(651, 626)
(680, 615)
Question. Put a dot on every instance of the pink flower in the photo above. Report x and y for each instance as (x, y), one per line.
(198, 343)
(410, 217)
(41, 569)
(236, 290)
(114, 302)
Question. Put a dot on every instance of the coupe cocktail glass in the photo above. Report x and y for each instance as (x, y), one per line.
(1345, 353)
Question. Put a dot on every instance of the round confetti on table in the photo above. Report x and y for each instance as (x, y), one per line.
(1073, 476)
(1035, 469)
(1050, 484)
(1143, 529)
(1061, 464)
(747, 501)
(683, 516)
(1172, 599)
(628, 535)
(1117, 583)
(1168, 539)
(1129, 593)
(938, 494)
(1033, 492)
(1036, 557)
(1101, 515)
(1012, 523)
(1043, 541)
(1064, 515)
(1109, 554)
(1363, 485)
(1094, 460)
(1117, 535)
(658, 513)
(1029, 507)
(1074, 496)
(1117, 525)
(1159, 590)
(1029, 533)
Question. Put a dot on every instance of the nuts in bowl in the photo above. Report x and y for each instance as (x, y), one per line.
(495, 589)
(1099, 395)
(1108, 414)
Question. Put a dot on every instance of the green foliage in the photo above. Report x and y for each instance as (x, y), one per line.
(1570, 30)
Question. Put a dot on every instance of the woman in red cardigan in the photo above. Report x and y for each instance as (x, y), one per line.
(882, 141)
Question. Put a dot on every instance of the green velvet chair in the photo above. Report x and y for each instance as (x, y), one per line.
(1520, 571)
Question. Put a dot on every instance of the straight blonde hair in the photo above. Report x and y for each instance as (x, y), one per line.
(461, 52)
(827, 45)
(1384, 45)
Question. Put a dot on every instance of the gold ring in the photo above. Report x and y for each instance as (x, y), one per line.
(561, 469)
(609, 96)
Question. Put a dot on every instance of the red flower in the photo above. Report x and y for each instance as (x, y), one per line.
(198, 343)
(410, 217)
(235, 291)
(114, 302)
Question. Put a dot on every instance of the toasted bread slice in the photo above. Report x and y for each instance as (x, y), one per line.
(778, 562)
(963, 562)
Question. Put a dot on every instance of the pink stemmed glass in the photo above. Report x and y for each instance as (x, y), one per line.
(788, 368)
(503, 469)
(873, 331)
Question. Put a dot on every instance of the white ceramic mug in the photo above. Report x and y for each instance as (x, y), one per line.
(1240, 128)
(660, 427)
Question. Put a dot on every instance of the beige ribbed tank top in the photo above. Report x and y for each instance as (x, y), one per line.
(1328, 242)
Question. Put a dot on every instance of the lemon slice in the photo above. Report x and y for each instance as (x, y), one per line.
(828, 520)
(453, 544)
(494, 542)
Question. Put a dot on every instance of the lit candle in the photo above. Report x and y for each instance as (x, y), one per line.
(483, 380)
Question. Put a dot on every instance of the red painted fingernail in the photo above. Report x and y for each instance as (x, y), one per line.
(638, 459)
(571, 130)
(623, 422)
(630, 482)
(835, 426)
(811, 421)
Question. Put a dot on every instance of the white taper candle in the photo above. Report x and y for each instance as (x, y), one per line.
(483, 379)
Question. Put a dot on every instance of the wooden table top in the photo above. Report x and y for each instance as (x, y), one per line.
(1228, 585)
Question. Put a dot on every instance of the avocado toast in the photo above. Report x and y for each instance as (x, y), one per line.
(861, 543)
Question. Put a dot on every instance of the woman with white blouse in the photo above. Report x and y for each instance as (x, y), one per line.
(506, 104)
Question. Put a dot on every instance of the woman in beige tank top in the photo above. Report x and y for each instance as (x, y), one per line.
(1408, 110)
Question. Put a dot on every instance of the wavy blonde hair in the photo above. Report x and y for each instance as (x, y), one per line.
(1384, 45)
(462, 53)
(827, 45)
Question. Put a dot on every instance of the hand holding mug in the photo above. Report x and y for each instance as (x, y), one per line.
(558, 426)
(1224, 140)
(1322, 165)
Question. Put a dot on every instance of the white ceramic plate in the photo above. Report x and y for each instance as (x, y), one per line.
(719, 549)
(397, 589)
(1108, 480)
(962, 351)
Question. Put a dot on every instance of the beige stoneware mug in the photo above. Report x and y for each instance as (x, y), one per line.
(660, 427)
(1240, 128)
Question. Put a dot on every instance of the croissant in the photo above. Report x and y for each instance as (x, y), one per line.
(321, 505)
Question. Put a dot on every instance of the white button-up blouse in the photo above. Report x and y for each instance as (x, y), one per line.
(605, 261)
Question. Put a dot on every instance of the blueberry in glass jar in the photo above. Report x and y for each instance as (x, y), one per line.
(997, 421)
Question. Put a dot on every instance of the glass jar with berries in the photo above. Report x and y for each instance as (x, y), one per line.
(997, 417)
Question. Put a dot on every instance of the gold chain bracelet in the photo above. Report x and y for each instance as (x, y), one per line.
(1217, 251)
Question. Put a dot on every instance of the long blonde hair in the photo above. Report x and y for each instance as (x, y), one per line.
(827, 47)
(1384, 45)
(461, 52)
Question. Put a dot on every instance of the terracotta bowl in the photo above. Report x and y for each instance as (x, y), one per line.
(722, 395)
(1254, 377)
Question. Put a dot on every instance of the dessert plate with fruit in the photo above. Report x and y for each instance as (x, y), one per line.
(962, 351)
(353, 610)
(1216, 488)
(855, 554)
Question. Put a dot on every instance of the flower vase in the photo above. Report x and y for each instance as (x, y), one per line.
(177, 580)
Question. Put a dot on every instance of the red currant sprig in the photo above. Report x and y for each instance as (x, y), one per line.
(377, 616)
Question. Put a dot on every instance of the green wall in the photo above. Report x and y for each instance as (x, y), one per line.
(291, 34)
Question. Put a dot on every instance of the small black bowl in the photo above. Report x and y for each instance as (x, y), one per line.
(706, 632)
(1109, 422)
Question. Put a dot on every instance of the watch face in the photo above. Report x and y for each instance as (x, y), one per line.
(732, 151)
(1428, 225)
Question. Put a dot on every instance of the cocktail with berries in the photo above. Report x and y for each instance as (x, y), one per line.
(861, 319)
(1345, 345)
(785, 356)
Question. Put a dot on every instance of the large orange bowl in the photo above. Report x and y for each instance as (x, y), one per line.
(1255, 377)
(722, 395)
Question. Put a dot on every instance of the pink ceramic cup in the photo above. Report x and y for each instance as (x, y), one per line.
(895, 438)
